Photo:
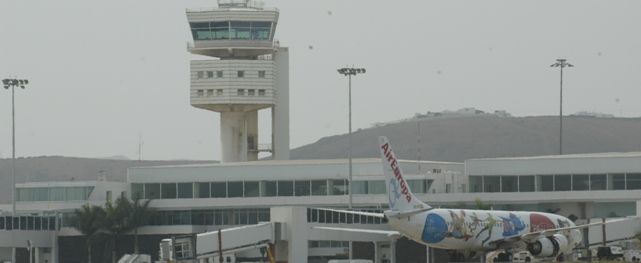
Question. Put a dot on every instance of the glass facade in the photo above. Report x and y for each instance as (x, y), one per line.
(509, 183)
(562, 182)
(633, 181)
(231, 216)
(492, 184)
(598, 182)
(319, 187)
(225, 30)
(302, 188)
(77, 193)
(35, 223)
(558, 182)
(333, 217)
(238, 189)
(618, 181)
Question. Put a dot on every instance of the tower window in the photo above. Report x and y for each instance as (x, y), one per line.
(241, 74)
(241, 92)
(210, 74)
(261, 92)
(261, 73)
(251, 92)
(201, 74)
(219, 74)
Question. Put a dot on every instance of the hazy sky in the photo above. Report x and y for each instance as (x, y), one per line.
(104, 72)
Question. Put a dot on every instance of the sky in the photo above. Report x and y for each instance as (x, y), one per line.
(105, 74)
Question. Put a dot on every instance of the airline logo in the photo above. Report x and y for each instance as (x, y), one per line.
(393, 195)
(391, 159)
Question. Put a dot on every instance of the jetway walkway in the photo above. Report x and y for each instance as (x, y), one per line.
(232, 240)
(226, 243)
(616, 230)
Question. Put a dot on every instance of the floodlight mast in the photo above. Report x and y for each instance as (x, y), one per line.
(561, 63)
(349, 72)
(13, 83)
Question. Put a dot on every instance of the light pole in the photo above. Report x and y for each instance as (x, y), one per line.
(13, 83)
(561, 63)
(349, 72)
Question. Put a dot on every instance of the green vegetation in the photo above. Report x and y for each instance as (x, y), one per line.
(105, 225)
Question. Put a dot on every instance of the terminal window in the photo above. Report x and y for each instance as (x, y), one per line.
(598, 182)
(580, 182)
(261, 74)
(241, 74)
(241, 92)
(200, 74)
(285, 188)
(547, 183)
(251, 92)
(302, 188)
(219, 92)
(219, 189)
(200, 93)
(269, 188)
(562, 182)
(219, 74)
(210, 74)
(210, 92)
(618, 181)
(319, 187)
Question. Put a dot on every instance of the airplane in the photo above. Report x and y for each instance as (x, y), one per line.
(544, 235)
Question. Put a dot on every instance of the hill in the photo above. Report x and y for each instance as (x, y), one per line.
(456, 139)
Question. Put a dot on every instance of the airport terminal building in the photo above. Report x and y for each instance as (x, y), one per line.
(247, 70)
(192, 199)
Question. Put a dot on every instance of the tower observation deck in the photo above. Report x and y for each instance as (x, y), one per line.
(247, 71)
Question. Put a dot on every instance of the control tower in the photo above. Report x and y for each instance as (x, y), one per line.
(247, 71)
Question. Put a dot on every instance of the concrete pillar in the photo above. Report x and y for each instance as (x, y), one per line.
(427, 254)
(36, 255)
(392, 250)
(280, 111)
(294, 221)
(377, 253)
(251, 141)
(54, 246)
(237, 128)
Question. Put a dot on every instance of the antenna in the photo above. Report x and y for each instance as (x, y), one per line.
(418, 144)
(140, 144)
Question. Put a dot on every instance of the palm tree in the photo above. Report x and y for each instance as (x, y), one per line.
(117, 221)
(89, 220)
(139, 215)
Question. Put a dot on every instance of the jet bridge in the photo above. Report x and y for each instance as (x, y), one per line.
(237, 239)
(210, 246)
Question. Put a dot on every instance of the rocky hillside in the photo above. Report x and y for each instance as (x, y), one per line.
(460, 138)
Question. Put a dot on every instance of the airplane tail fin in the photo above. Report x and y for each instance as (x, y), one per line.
(398, 191)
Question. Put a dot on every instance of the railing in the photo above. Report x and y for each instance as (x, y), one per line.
(262, 147)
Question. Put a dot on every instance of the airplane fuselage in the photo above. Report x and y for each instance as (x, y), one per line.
(475, 230)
